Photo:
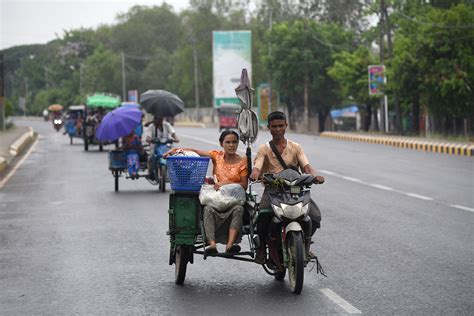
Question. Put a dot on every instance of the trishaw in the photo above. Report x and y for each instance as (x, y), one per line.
(96, 107)
(157, 176)
(286, 227)
(75, 121)
(286, 245)
(228, 113)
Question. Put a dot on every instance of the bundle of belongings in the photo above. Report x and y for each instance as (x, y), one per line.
(223, 199)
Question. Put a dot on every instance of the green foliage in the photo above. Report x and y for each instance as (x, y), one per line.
(8, 108)
(325, 46)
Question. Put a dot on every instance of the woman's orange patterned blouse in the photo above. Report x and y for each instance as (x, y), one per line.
(225, 171)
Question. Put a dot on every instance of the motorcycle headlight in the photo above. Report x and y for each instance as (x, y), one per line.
(293, 211)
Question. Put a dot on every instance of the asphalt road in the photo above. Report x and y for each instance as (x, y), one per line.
(396, 237)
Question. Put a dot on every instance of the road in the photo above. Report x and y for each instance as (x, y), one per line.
(396, 237)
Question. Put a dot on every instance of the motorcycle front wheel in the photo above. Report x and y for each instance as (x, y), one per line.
(295, 261)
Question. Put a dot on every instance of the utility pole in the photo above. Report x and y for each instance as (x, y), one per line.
(124, 89)
(81, 70)
(196, 81)
(26, 96)
(270, 90)
(2, 95)
(383, 100)
(396, 100)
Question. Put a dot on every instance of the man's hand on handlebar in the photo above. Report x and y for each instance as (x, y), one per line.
(319, 180)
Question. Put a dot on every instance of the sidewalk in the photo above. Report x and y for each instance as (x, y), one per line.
(422, 144)
(12, 142)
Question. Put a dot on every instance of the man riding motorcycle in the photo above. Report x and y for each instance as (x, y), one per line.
(266, 161)
(158, 129)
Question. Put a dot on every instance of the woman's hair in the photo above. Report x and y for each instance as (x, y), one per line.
(225, 133)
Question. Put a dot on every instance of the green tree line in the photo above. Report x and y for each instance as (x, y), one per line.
(315, 53)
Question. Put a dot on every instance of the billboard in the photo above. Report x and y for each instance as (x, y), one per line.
(376, 79)
(231, 52)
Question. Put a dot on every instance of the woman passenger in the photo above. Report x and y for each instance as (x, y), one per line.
(229, 167)
(132, 147)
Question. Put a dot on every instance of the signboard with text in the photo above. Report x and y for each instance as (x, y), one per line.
(133, 96)
(376, 79)
(231, 52)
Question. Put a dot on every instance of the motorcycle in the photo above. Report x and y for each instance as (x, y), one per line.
(289, 231)
(57, 123)
(287, 242)
(158, 172)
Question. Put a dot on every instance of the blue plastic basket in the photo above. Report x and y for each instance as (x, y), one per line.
(117, 160)
(187, 173)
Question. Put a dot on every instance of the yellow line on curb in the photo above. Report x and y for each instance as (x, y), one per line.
(426, 146)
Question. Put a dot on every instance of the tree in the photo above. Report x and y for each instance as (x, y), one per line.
(350, 71)
(298, 63)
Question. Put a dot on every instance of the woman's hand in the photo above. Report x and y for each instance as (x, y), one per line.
(170, 152)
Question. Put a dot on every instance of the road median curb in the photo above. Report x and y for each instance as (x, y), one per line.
(401, 142)
(189, 124)
(21, 142)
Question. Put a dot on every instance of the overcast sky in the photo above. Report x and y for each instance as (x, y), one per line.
(40, 21)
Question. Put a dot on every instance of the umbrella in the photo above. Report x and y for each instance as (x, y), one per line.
(55, 107)
(103, 100)
(247, 120)
(161, 103)
(244, 91)
(118, 123)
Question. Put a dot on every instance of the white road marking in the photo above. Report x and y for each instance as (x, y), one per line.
(327, 172)
(382, 187)
(463, 207)
(426, 198)
(340, 301)
(352, 179)
(12, 172)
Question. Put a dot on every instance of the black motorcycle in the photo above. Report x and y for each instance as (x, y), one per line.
(289, 230)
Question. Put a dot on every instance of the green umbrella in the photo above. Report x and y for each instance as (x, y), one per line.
(103, 100)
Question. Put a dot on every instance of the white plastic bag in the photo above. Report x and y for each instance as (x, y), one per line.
(228, 196)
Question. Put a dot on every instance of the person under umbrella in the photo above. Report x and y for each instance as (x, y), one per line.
(132, 147)
(158, 129)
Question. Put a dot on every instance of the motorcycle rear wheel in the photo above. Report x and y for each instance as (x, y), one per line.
(295, 261)
(181, 262)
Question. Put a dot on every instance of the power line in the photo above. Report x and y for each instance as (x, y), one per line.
(444, 26)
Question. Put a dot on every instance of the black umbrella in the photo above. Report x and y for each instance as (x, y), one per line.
(161, 103)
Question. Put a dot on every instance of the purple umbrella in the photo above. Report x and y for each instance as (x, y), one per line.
(118, 123)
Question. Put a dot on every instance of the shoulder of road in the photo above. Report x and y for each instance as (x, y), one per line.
(421, 144)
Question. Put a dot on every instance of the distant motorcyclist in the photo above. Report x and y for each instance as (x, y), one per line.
(45, 114)
(267, 162)
(158, 129)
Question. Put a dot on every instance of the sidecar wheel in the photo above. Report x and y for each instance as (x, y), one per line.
(295, 261)
(181, 262)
